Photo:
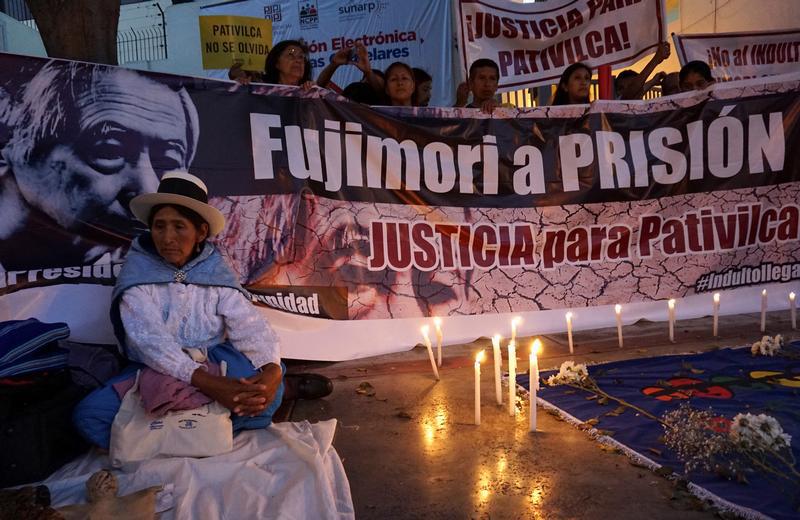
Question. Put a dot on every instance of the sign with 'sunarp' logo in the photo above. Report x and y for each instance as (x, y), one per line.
(228, 40)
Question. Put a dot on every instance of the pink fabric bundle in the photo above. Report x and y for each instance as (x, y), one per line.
(162, 393)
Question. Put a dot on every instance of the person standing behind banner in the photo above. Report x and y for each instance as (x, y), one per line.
(671, 84)
(399, 86)
(424, 85)
(573, 87)
(287, 64)
(632, 85)
(482, 81)
(356, 55)
(695, 75)
(79, 141)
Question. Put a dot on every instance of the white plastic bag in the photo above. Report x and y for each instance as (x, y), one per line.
(136, 435)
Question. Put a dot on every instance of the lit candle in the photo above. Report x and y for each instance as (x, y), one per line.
(618, 311)
(569, 331)
(498, 362)
(430, 350)
(715, 308)
(437, 322)
(671, 306)
(512, 377)
(534, 380)
(478, 360)
(792, 311)
(763, 310)
(514, 324)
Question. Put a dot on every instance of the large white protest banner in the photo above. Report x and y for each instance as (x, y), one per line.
(534, 43)
(350, 226)
(742, 55)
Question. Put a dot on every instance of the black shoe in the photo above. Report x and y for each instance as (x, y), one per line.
(307, 386)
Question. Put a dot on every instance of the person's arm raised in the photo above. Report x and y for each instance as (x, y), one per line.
(636, 88)
(462, 94)
(341, 57)
(363, 64)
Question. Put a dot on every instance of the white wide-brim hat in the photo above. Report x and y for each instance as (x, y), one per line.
(181, 189)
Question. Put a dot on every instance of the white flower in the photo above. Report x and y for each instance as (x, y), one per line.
(759, 432)
(767, 346)
(568, 372)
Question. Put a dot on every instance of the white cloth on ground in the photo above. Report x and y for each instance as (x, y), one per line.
(287, 471)
(162, 319)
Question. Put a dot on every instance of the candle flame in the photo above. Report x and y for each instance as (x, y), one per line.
(763, 292)
(536, 347)
(479, 357)
(568, 316)
(791, 296)
(618, 308)
(671, 303)
(425, 330)
(437, 321)
(516, 321)
(716, 297)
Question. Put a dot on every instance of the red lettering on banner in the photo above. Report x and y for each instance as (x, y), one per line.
(485, 246)
(790, 223)
(705, 232)
(377, 242)
(766, 232)
(525, 61)
(510, 30)
(593, 44)
(425, 254)
(725, 228)
(520, 63)
(399, 246)
(488, 25)
(582, 245)
(524, 248)
(649, 230)
(446, 233)
(598, 7)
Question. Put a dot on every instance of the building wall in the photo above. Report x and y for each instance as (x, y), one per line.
(183, 41)
(698, 16)
(18, 38)
(719, 16)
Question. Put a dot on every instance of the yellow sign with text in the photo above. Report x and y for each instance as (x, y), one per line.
(228, 40)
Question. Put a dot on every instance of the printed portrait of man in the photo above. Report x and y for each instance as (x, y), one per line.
(77, 142)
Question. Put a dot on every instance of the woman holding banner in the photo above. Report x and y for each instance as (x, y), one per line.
(287, 64)
(399, 86)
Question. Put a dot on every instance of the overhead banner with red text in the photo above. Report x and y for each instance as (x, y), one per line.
(342, 212)
(533, 43)
(734, 56)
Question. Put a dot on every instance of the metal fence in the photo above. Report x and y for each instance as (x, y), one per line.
(142, 44)
(18, 10)
(133, 44)
(525, 98)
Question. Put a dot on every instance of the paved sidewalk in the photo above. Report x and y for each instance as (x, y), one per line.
(411, 449)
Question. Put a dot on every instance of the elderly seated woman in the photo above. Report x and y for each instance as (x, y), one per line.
(178, 309)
